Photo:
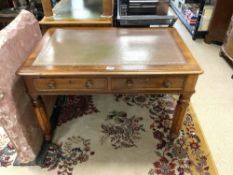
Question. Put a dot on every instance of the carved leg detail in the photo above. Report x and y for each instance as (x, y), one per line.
(180, 111)
(42, 117)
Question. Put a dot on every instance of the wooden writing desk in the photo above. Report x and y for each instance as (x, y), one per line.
(110, 60)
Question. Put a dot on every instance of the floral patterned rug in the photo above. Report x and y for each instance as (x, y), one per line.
(7, 150)
(122, 135)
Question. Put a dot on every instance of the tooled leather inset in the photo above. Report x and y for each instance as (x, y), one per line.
(110, 47)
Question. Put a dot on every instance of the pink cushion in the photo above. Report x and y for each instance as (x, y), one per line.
(16, 114)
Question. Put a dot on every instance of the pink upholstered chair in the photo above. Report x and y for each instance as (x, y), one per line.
(16, 114)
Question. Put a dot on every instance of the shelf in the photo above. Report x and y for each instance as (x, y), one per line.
(182, 18)
(192, 29)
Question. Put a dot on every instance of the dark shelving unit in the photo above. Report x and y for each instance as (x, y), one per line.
(193, 29)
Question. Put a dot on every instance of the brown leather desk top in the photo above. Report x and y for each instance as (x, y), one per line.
(111, 47)
(67, 51)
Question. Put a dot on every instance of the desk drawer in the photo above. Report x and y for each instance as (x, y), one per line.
(71, 84)
(173, 83)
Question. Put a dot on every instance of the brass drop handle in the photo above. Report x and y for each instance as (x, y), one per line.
(129, 83)
(167, 84)
(52, 84)
(89, 84)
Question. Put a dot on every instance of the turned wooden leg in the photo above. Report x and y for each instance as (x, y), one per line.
(42, 117)
(180, 111)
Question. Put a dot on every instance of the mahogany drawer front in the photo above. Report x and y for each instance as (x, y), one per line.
(71, 84)
(173, 83)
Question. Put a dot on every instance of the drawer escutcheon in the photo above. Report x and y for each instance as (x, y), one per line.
(89, 84)
(167, 84)
(129, 83)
